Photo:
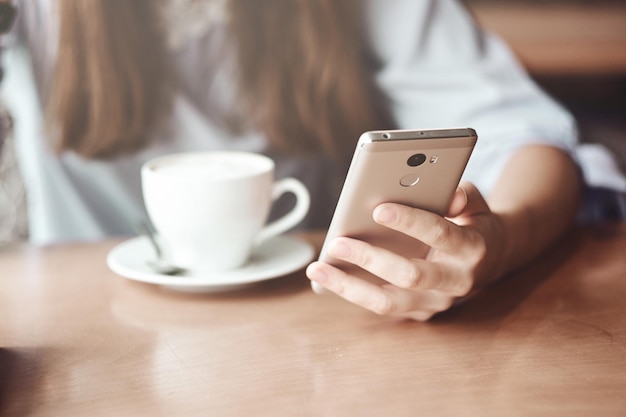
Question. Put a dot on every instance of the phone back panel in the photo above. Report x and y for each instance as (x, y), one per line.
(380, 172)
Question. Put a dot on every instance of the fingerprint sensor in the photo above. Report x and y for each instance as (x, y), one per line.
(409, 180)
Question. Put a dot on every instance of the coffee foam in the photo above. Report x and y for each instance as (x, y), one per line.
(214, 170)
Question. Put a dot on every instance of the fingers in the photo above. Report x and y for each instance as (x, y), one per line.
(427, 227)
(458, 202)
(413, 288)
(475, 202)
(413, 274)
(432, 229)
(380, 299)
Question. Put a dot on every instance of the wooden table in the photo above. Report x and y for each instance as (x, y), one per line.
(78, 340)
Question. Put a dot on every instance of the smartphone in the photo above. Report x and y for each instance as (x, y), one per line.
(418, 168)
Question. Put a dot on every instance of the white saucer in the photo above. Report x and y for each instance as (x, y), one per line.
(274, 258)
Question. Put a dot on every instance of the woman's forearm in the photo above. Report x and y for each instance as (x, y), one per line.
(536, 198)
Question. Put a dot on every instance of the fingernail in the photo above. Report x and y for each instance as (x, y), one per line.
(458, 203)
(315, 273)
(339, 249)
(384, 215)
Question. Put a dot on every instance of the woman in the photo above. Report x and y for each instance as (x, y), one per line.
(98, 87)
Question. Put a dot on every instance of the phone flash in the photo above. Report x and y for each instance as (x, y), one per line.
(433, 159)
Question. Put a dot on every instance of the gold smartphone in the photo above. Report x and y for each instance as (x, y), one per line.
(418, 168)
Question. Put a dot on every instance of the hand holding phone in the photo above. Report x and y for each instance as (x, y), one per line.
(417, 168)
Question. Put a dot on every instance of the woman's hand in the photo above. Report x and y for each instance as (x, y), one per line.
(466, 251)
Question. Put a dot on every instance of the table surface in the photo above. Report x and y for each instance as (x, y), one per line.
(78, 340)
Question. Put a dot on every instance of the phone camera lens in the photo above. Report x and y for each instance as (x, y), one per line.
(416, 160)
(386, 135)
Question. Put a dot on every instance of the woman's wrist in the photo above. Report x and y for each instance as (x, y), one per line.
(514, 234)
(535, 202)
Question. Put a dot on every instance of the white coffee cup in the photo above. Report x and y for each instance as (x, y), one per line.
(210, 208)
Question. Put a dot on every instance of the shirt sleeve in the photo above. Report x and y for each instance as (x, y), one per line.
(440, 69)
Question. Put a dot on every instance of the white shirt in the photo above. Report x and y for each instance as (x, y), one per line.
(438, 71)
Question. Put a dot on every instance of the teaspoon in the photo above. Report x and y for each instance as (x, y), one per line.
(159, 265)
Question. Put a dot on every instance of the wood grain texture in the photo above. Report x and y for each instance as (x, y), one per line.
(77, 340)
(562, 38)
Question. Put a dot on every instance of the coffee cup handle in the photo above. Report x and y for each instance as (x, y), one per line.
(294, 216)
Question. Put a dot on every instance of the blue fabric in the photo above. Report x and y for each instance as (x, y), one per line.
(602, 205)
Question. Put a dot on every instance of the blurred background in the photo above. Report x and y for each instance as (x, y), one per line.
(575, 49)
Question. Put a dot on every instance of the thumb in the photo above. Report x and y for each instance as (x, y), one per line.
(467, 201)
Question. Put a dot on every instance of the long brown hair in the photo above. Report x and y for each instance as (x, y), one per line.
(305, 74)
